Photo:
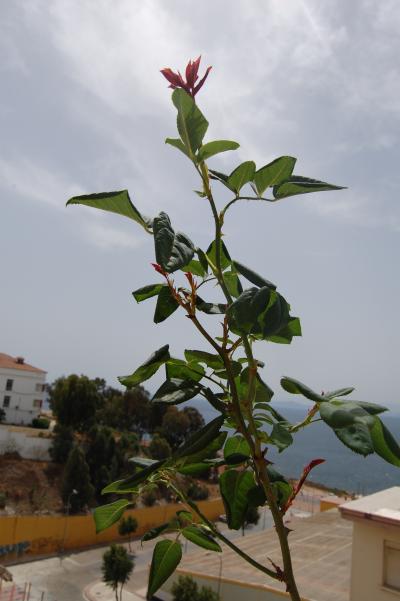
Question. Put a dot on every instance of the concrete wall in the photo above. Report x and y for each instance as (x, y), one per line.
(368, 564)
(25, 441)
(234, 590)
(25, 536)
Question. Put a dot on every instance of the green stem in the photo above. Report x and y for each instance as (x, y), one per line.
(306, 421)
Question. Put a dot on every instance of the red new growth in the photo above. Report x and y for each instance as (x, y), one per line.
(158, 268)
(176, 80)
(300, 483)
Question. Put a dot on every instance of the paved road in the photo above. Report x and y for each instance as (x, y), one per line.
(63, 579)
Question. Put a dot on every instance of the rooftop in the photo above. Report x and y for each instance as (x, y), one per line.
(321, 552)
(382, 507)
(8, 362)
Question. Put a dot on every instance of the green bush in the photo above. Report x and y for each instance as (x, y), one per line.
(186, 589)
(197, 492)
(3, 500)
(149, 498)
(42, 423)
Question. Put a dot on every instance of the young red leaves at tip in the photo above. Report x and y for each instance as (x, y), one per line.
(300, 483)
(191, 73)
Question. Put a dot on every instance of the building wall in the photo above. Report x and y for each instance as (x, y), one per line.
(368, 561)
(26, 442)
(24, 392)
(25, 536)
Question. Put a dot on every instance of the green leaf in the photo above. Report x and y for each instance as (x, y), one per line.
(263, 393)
(274, 173)
(166, 305)
(253, 277)
(142, 461)
(147, 369)
(221, 177)
(236, 369)
(148, 291)
(210, 308)
(130, 484)
(384, 443)
(196, 268)
(177, 143)
(199, 440)
(212, 148)
(106, 515)
(225, 257)
(340, 392)
(297, 184)
(173, 250)
(233, 283)
(166, 556)
(208, 452)
(372, 408)
(115, 202)
(261, 312)
(184, 516)
(356, 437)
(200, 538)
(295, 387)
(191, 123)
(286, 334)
(193, 469)
(202, 259)
(341, 414)
(176, 391)
(214, 401)
(280, 437)
(176, 368)
(236, 445)
(154, 532)
(213, 361)
(234, 487)
(240, 176)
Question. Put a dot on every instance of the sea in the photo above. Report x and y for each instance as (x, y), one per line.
(343, 469)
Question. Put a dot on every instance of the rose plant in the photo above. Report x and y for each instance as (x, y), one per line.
(228, 375)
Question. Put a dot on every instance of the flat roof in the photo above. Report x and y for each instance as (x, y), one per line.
(381, 507)
(321, 553)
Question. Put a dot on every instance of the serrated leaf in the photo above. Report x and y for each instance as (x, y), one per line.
(296, 184)
(130, 484)
(200, 538)
(114, 202)
(176, 391)
(295, 387)
(166, 556)
(199, 440)
(339, 414)
(196, 268)
(274, 173)
(166, 305)
(146, 292)
(240, 176)
(253, 277)
(173, 250)
(106, 515)
(356, 437)
(384, 444)
(212, 148)
(154, 532)
(191, 123)
(234, 487)
(280, 437)
(147, 369)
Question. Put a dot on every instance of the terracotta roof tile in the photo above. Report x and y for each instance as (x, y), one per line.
(8, 362)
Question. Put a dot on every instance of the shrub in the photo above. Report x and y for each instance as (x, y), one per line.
(117, 567)
(198, 492)
(186, 589)
(159, 448)
(149, 498)
(3, 500)
(42, 423)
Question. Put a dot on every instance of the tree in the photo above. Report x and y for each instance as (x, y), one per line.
(62, 443)
(159, 448)
(117, 567)
(74, 401)
(127, 527)
(76, 478)
(249, 311)
(186, 589)
(196, 420)
(2, 415)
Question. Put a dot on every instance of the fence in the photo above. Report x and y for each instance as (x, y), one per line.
(24, 536)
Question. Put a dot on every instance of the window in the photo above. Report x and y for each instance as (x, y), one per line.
(6, 401)
(39, 387)
(391, 566)
(37, 403)
(9, 384)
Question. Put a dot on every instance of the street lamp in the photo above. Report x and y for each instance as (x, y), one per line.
(67, 507)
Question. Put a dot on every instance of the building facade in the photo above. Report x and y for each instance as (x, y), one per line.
(22, 388)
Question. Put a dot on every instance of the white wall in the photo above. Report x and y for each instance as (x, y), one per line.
(23, 394)
(27, 444)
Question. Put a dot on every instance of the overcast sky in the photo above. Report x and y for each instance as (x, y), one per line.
(84, 109)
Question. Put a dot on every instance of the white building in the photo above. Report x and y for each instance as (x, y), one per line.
(21, 389)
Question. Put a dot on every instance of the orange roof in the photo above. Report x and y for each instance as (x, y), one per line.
(8, 362)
